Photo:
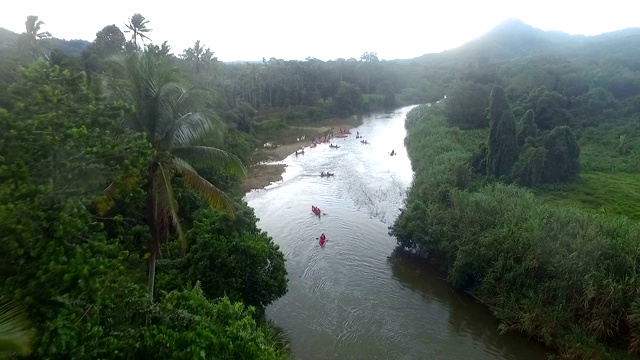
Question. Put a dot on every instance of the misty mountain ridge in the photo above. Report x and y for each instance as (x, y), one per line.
(75, 46)
(512, 39)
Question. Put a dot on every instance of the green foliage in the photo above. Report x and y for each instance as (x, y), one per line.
(502, 149)
(466, 105)
(63, 241)
(234, 259)
(186, 325)
(348, 100)
(563, 151)
(527, 171)
(566, 276)
(527, 128)
(550, 109)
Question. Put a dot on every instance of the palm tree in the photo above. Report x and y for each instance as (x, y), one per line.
(15, 336)
(28, 40)
(138, 27)
(174, 122)
(199, 56)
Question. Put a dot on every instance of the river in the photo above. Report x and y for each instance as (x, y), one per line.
(359, 297)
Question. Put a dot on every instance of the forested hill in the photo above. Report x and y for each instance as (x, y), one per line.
(514, 39)
(9, 38)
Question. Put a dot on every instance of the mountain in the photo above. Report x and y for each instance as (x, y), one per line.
(8, 38)
(514, 39)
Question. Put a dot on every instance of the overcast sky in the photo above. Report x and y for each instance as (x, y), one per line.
(328, 29)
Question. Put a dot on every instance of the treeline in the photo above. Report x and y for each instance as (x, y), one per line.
(123, 233)
(245, 94)
(562, 275)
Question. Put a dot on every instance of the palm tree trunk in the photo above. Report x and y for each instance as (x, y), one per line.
(152, 274)
(152, 222)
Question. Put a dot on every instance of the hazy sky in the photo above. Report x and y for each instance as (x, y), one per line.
(327, 29)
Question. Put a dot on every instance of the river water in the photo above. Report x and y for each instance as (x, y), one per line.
(359, 297)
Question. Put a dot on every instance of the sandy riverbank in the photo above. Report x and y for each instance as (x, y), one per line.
(261, 175)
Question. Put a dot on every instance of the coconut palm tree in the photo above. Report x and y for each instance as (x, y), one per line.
(138, 27)
(175, 123)
(28, 40)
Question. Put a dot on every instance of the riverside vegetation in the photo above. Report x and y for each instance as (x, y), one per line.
(561, 273)
(124, 233)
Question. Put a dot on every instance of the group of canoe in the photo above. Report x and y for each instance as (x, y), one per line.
(323, 238)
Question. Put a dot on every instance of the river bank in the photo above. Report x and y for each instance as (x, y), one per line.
(262, 171)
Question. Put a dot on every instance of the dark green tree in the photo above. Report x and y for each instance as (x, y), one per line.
(109, 41)
(563, 152)
(348, 100)
(527, 128)
(235, 259)
(502, 147)
(550, 108)
(466, 105)
(527, 170)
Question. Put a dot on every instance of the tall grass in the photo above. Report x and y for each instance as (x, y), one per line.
(561, 274)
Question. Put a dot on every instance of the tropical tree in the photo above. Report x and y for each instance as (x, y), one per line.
(33, 26)
(174, 120)
(199, 56)
(502, 146)
(138, 28)
(28, 40)
(527, 128)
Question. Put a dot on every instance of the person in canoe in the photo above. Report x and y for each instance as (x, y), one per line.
(323, 240)
(393, 152)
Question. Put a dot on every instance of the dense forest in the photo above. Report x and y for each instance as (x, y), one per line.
(526, 184)
(124, 232)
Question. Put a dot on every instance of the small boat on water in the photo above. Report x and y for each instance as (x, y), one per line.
(323, 240)
(364, 141)
(316, 210)
(334, 146)
(301, 152)
(341, 136)
(326, 174)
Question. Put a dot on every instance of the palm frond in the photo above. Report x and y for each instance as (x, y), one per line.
(216, 197)
(207, 157)
(191, 128)
(15, 336)
(168, 206)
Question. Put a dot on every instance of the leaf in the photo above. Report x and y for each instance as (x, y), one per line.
(205, 156)
(168, 203)
(15, 336)
(190, 128)
(216, 197)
